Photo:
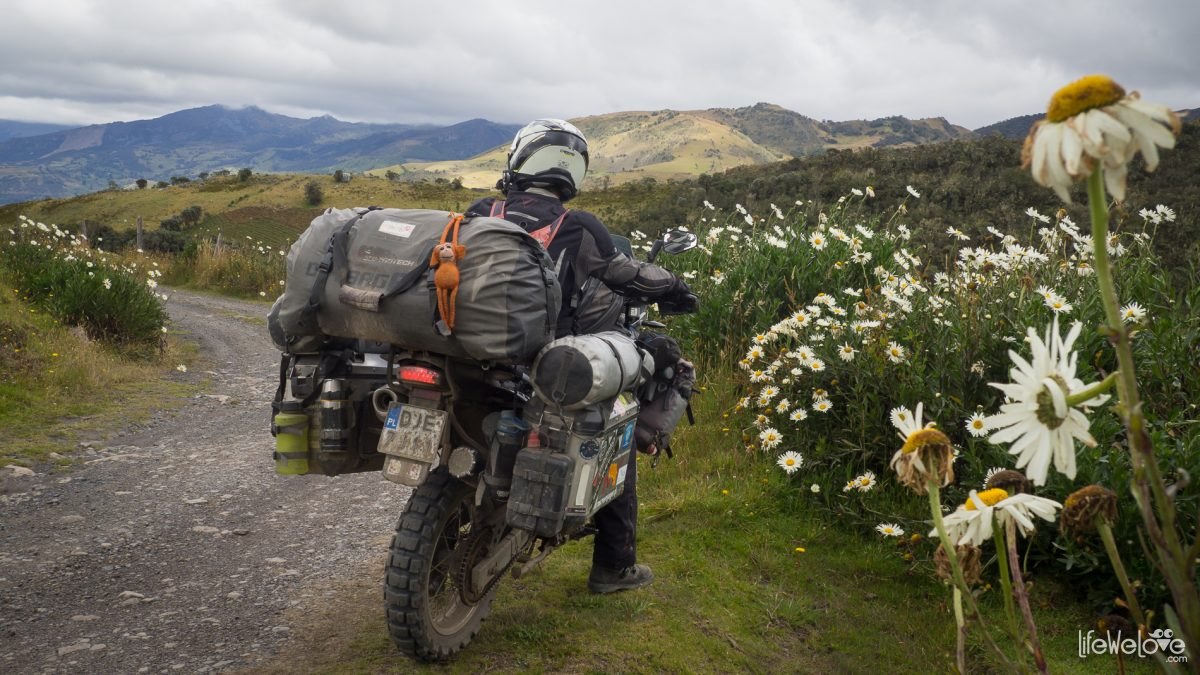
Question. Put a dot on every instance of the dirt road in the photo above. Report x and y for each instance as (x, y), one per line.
(174, 547)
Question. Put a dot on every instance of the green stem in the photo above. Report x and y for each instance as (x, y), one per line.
(1092, 391)
(1148, 486)
(1110, 546)
(935, 508)
(960, 648)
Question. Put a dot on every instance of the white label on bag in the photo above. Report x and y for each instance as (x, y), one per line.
(397, 229)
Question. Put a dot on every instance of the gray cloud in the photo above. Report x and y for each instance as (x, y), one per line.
(79, 61)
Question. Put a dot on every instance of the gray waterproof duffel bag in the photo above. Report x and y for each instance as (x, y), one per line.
(365, 274)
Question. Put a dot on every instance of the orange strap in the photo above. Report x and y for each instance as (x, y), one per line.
(444, 259)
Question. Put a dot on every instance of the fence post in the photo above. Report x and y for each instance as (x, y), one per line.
(217, 246)
(139, 233)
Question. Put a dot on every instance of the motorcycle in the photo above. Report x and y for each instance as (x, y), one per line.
(508, 462)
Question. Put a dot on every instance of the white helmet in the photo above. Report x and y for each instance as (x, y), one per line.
(547, 153)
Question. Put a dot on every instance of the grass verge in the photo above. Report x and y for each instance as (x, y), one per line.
(58, 388)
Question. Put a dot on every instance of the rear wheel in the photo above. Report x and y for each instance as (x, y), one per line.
(428, 614)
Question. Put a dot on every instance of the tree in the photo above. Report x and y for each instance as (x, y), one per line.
(141, 183)
(191, 215)
(161, 184)
(339, 176)
(313, 194)
(171, 224)
(203, 175)
(244, 174)
(392, 175)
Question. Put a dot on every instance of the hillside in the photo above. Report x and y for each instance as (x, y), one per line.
(968, 183)
(15, 129)
(677, 145)
(189, 142)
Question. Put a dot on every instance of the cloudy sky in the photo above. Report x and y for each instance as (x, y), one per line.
(445, 61)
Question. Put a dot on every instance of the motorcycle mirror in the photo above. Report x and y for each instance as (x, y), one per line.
(678, 241)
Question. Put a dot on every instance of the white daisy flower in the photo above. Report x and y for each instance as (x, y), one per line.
(912, 191)
(770, 437)
(977, 424)
(816, 489)
(790, 461)
(798, 415)
(889, 530)
(846, 352)
(971, 523)
(895, 353)
(1036, 420)
(822, 405)
(1133, 313)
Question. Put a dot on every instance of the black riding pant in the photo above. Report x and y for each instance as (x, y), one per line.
(616, 526)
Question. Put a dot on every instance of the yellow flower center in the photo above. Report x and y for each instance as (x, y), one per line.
(1086, 93)
(924, 437)
(989, 497)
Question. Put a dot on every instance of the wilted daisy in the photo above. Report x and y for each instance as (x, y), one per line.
(770, 438)
(1091, 122)
(181, 368)
(790, 461)
(1133, 313)
(107, 283)
(889, 530)
(926, 452)
(1036, 420)
(971, 523)
(977, 424)
(816, 489)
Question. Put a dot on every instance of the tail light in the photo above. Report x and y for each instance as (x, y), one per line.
(419, 375)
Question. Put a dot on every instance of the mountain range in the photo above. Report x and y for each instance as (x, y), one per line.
(38, 160)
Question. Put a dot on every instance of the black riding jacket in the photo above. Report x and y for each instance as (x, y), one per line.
(583, 249)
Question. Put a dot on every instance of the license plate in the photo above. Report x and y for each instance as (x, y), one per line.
(413, 432)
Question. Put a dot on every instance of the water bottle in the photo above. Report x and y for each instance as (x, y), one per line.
(291, 440)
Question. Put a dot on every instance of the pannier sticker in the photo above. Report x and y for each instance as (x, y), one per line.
(397, 228)
(619, 407)
(627, 437)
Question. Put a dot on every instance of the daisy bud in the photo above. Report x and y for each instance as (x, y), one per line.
(1085, 507)
(1012, 482)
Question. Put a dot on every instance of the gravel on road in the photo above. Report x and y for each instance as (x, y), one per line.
(173, 546)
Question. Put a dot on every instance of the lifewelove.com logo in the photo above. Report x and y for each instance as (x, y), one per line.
(1161, 641)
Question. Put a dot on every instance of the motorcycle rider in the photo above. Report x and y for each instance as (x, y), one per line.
(546, 164)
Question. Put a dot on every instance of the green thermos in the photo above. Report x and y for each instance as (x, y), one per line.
(291, 440)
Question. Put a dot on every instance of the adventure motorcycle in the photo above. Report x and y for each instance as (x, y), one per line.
(507, 462)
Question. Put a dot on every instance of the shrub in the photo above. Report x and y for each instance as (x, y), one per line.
(313, 194)
(244, 174)
(114, 303)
